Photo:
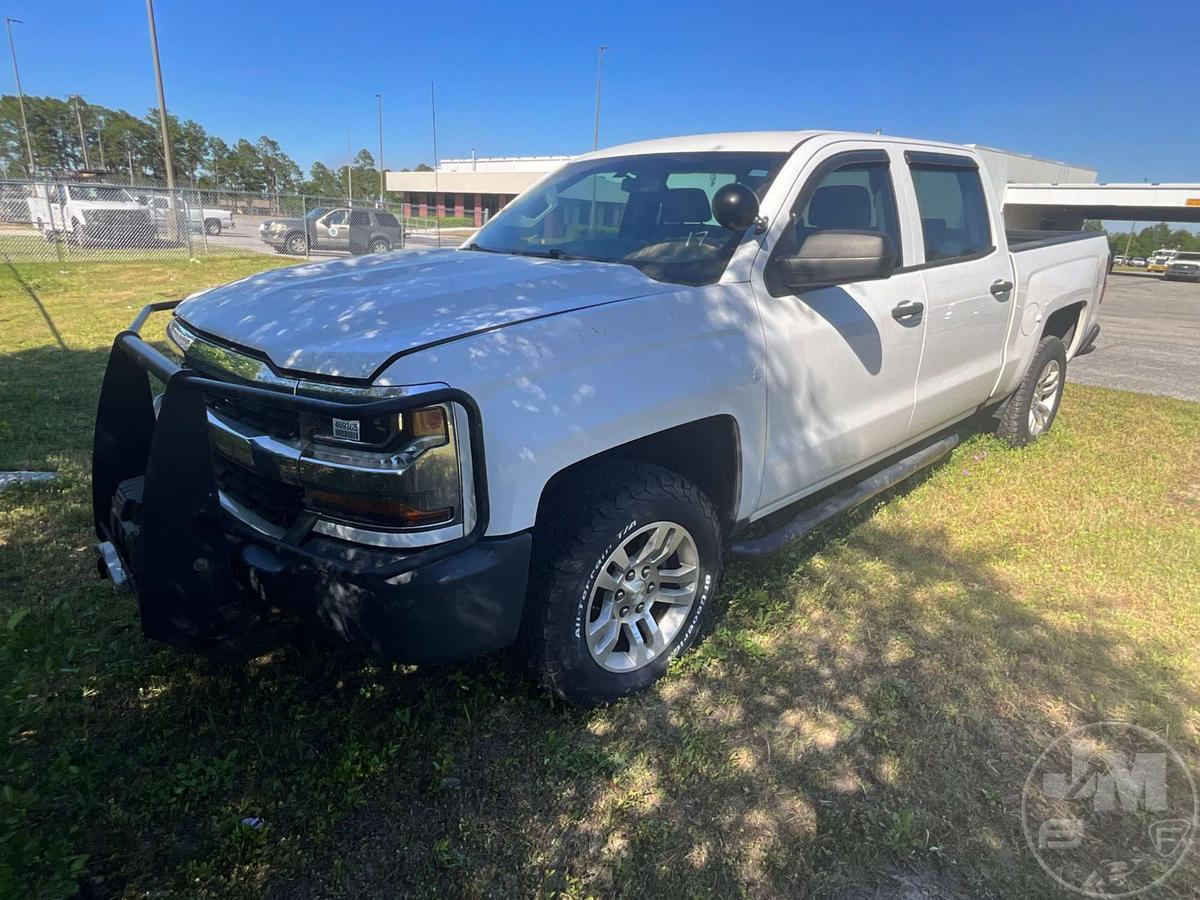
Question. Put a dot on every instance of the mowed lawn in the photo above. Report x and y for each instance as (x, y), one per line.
(861, 724)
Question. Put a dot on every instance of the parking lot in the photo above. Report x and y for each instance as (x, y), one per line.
(1149, 339)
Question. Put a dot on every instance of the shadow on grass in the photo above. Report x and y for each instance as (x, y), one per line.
(871, 706)
(37, 301)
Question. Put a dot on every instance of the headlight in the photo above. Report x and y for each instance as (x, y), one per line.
(179, 336)
(278, 226)
(400, 472)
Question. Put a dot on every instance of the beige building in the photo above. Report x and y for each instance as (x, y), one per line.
(472, 189)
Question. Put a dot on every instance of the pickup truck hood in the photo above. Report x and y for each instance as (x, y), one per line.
(347, 317)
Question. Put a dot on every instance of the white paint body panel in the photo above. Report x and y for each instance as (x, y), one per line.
(569, 359)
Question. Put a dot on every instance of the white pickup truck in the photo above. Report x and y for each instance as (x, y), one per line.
(90, 214)
(552, 436)
(210, 219)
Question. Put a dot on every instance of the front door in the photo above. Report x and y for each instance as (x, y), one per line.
(968, 289)
(333, 230)
(841, 360)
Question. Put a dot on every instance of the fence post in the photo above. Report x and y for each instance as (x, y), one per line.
(203, 225)
(304, 224)
(180, 198)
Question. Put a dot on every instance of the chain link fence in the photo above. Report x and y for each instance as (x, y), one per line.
(77, 219)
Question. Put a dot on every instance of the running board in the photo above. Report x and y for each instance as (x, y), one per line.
(847, 498)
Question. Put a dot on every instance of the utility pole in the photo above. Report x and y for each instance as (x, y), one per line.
(129, 150)
(172, 225)
(20, 94)
(1129, 242)
(379, 101)
(100, 143)
(349, 171)
(82, 138)
(599, 74)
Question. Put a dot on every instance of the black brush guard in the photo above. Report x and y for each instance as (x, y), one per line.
(186, 559)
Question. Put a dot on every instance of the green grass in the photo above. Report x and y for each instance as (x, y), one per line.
(870, 706)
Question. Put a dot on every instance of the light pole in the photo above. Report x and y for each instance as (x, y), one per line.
(172, 225)
(349, 172)
(8, 22)
(599, 73)
(100, 142)
(82, 138)
(379, 102)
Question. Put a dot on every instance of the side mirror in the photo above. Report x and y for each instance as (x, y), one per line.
(735, 207)
(837, 257)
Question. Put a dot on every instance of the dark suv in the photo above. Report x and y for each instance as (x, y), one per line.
(342, 228)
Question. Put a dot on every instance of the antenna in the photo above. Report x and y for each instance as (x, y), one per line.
(437, 215)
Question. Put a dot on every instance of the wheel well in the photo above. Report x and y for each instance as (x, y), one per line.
(706, 452)
(1063, 323)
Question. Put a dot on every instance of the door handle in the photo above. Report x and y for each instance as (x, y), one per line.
(1000, 289)
(909, 310)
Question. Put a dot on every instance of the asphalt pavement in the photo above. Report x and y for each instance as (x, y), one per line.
(1149, 338)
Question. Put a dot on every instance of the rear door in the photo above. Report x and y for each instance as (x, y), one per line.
(968, 285)
(841, 360)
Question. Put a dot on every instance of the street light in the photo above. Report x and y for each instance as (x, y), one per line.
(379, 102)
(172, 225)
(599, 73)
(8, 23)
(82, 138)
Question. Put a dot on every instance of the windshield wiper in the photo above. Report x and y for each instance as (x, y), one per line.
(552, 253)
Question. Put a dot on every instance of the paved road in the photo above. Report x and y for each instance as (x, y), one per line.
(1149, 338)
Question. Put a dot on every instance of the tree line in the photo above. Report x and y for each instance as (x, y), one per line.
(1149, 239)
(130, 148)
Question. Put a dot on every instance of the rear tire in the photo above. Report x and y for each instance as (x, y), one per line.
(380, 245)
(212, 227)
(1031, 410)
(624, 577)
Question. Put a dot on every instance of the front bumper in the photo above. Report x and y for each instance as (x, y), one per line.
(203, 579)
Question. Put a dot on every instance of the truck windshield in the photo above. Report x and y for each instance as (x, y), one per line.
(94, 192)
(650, 211)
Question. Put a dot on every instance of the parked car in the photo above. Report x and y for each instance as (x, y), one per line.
(1118, 260)
(1138, 262)
(1184, 267)
(552, 435)
(209, 218)
(90, 213)
(344, 228)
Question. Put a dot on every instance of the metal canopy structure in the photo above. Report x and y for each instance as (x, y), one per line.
(1067, 205)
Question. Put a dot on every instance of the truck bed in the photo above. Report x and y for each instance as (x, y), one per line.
(1029, 239)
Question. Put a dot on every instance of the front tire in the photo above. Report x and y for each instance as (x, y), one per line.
(1031, 410)
(212, 227)
(294, 245)
(625, 573)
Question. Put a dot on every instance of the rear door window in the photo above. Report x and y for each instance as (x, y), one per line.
(954, 214)
(387, 220)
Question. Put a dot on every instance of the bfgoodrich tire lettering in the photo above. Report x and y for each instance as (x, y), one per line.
(602, 512)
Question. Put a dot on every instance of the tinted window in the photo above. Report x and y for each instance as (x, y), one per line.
(855, 196)
(337, 217)
(360, 217)
(954, 216)
(387, 220)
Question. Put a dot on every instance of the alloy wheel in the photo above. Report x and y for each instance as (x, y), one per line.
(642, 596)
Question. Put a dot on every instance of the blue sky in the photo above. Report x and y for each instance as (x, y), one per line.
(1085, 82)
